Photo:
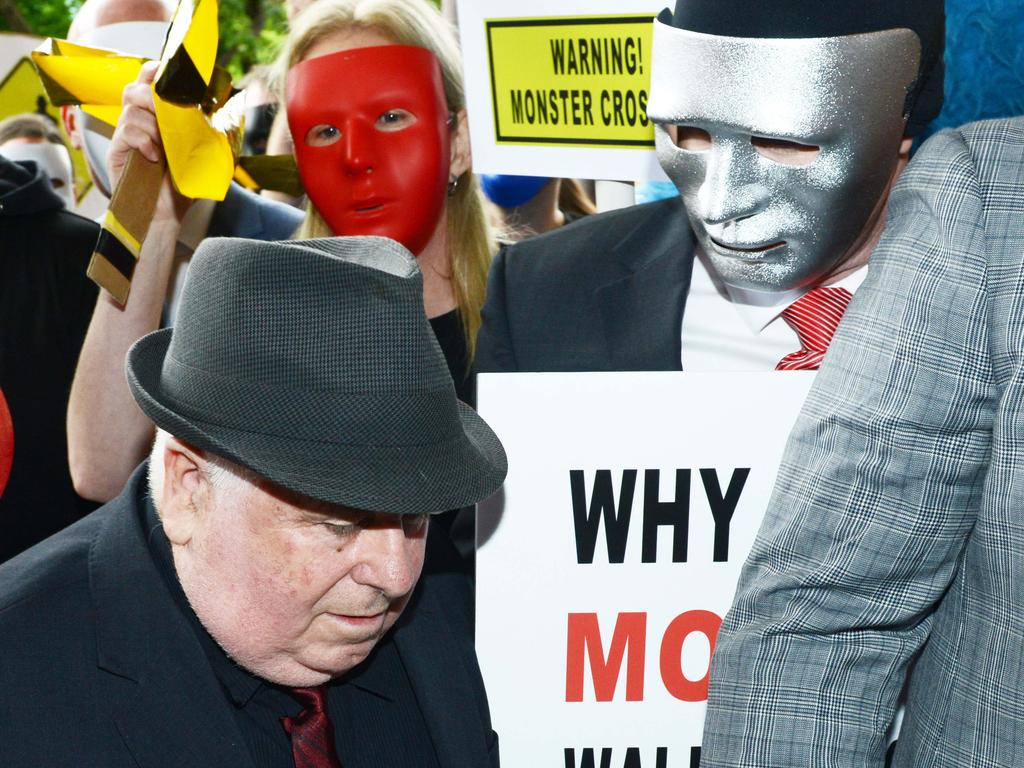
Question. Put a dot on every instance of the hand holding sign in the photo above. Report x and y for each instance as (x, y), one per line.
(137, 133)
(199, 127)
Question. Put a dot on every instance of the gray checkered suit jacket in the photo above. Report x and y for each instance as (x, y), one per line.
(894, 543)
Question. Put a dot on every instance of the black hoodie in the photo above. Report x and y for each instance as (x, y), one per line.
(24, 189)
(45, 305)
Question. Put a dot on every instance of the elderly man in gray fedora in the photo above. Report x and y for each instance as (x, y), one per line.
(254, 598)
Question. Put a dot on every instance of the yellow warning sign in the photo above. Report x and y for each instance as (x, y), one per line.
(580, 80)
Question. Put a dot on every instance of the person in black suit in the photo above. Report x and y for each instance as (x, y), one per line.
(784, 126)
(45, 305)
(253, 597)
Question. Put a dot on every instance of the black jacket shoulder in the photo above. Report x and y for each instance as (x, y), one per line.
(604, 293)
(34, 579)
(598, 243)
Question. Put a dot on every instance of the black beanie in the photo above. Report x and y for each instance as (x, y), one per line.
(823, 18)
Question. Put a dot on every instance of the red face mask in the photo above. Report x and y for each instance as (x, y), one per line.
(371, 132)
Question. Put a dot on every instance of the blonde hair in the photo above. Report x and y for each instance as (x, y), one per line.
(573, 199)
(471, 243)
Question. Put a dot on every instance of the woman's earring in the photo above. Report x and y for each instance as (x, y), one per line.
(453, 184)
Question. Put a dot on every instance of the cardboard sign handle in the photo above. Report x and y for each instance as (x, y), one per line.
(125, 225)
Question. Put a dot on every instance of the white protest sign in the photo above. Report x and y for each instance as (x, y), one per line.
(560, 92)
(608, 559)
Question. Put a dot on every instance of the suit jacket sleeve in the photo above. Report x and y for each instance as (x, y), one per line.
(494, 351)
(244, 214)
(876, 497)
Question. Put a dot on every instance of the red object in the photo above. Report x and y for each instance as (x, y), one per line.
(629, 643)
(311, 731)
(671, 661)
(368, 168)
(815, 317)
(6, 443)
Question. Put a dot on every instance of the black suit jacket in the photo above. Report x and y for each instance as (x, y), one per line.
(46, 302)
(605, 293)
(98, 667)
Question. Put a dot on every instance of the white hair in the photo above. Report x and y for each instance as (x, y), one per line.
(223, 476)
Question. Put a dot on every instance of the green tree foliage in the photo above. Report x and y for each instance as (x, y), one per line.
(45, 18)
(250, 30)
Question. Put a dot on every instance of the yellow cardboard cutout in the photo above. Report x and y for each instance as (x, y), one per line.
(200, 156)
(200, 128)
(91, 77)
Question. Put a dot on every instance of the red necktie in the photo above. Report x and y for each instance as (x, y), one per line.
(814, 317)
(311, 731)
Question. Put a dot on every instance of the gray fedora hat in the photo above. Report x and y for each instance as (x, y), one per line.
(312, 363)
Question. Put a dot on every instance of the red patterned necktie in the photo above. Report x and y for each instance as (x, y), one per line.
(815, 317)
(311, 731)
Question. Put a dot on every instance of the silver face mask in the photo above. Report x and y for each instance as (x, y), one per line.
(772, 224)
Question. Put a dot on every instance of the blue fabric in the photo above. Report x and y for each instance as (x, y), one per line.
(650, 191)
(510, 191)
(244, 214)
(984, 62)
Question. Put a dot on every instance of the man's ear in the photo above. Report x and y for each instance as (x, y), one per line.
(184, 485)
(905, 144)
(69, 118)
(462, 155)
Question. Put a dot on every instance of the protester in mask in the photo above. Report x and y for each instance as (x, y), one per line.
(784, 126)
(45, 305)
(135, 27)
(405, 179)
(34, 137)
(390, 154)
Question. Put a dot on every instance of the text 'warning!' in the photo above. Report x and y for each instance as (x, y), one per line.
(580, 80)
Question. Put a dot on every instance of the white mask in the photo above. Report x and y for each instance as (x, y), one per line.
(53, 160)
